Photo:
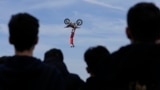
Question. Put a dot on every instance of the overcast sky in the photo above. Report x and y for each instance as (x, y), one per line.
(104, 23)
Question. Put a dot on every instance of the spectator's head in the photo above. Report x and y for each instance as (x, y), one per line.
(143, 21)
(54, 53)
(54, 57)
(23, 31)
(95, 57)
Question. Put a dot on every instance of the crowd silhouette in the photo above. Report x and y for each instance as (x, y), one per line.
(135, 66)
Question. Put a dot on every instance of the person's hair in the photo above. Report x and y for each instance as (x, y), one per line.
(96, 56)
(54, 52)
(23, 31)
(143, 20)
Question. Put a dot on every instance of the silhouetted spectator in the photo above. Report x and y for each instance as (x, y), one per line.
(54, 57)
(138, 63)
(95, 58)
(23, 71)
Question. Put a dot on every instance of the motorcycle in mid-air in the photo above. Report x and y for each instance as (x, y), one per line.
(74, 26)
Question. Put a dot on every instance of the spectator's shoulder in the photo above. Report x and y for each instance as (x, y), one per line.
(3, 58)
